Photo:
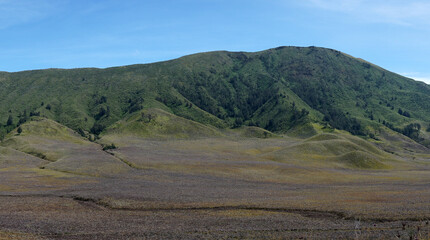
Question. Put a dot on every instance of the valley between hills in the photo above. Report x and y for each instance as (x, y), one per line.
(289, 142)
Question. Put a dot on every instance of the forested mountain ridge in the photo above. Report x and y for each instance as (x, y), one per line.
(277, 89)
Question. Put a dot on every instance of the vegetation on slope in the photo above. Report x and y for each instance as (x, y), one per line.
(62, 148)
(339, 148)
(158, 124)
(279, 90)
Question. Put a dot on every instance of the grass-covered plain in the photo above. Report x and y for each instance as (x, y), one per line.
(240, 183)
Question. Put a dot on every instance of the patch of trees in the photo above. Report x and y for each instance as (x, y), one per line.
(412, 130)
(314, 95)
(238, 122)
(101, 100)
(366, 65)
(81, 132)
(298, 115)
(109, 147)
(10, 124)
(391, 126)
(22, 117)
(97, 128)
(32, 113)
(103, 112)
(2, 133)
(226, 94)
(9, 121)
(339, 120)
(404, 113)
(146, 118)
(135, 104)
(169, 101)
(188, 105)
(292, 117)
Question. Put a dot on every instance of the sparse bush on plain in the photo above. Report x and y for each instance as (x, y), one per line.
(109, 147)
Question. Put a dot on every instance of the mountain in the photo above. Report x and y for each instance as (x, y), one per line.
(291, 90)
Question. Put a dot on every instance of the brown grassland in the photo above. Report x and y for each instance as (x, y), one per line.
(56, 185)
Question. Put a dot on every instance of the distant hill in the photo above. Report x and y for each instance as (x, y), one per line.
(282, 90)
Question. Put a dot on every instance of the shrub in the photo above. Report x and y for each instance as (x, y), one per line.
(108, 147)
(9, 121)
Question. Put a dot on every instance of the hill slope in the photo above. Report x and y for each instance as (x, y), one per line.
(277, 89)
(62, 149)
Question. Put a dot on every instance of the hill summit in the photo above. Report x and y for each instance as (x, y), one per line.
(282, 90)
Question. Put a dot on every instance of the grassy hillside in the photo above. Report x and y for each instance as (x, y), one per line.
(280, 90)
(62, 149)
(334, 149)
(159, 124)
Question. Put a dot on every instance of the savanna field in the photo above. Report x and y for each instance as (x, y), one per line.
(295, 143)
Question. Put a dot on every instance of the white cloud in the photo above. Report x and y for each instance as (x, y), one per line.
(426, 80)
(418, 76)
(413, 12)
(13, 12)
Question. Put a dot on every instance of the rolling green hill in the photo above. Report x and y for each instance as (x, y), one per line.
(62, 149)
(158, 124)
(340, 149)
(281, 90)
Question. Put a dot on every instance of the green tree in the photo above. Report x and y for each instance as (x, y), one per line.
(9, 121)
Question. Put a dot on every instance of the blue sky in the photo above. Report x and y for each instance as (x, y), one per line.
(36, 34)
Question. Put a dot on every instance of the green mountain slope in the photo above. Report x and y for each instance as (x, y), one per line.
(278, 89)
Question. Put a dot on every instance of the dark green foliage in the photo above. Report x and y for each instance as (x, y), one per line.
(2, 134)
(238, 122)
(19, 130)
(146, 117)
(404, 113)
(102, 112)
(135, 104)
(9, 121)
(97, 128)
(103, 99)
(81, 132)
(339, 120)
(34, 114)
(22, 118)
(109, 147)
(412, 130)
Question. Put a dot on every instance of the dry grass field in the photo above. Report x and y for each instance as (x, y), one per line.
(57, 185)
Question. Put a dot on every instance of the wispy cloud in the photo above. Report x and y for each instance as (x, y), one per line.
(413, 12)
(426, 80)
(418, 76)
(14, 12)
